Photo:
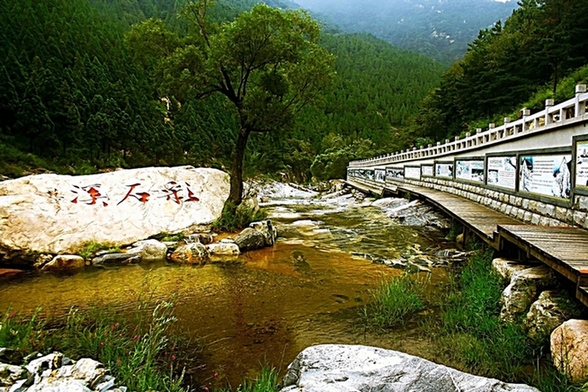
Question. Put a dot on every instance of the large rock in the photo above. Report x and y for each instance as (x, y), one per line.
(257, 235)
(339, 368)
(569, 349)
(524, 288)
(51, 213)
(546, 314)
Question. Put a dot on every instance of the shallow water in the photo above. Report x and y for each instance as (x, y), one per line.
(264, 306)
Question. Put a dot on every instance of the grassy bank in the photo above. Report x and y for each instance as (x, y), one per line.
(466, 329)
(141, 350)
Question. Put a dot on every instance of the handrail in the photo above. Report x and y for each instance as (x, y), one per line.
(571, 110)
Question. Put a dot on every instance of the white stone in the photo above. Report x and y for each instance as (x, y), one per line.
(569, 349)
(190, 254)
(523, 290)
(64, 262)
(545, 315)
(223, 248)
(149, 250)
(342, 368)
(52, 213)
(507, 267)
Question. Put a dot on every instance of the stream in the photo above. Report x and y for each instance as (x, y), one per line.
(265, 306)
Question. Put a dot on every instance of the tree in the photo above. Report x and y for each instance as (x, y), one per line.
(267, 63)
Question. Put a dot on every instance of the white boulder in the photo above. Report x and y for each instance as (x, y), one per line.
(524, 288)
(52, 213)
(342, 368)
(149, 250)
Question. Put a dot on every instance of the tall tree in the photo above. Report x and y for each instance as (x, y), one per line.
(267, 64)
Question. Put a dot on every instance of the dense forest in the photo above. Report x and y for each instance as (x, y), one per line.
(76, 97)
(538, 53)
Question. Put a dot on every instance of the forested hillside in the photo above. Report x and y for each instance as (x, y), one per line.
(438, 29)
(74, 97)
(512, 65)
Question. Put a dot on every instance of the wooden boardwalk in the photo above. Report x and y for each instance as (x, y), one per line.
(564, 249)
(480, 219)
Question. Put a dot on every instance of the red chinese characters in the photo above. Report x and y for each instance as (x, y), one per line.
(89, 194)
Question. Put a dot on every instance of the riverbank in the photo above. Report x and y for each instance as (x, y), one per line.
(268, 305)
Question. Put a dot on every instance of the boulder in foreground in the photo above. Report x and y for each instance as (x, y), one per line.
(339, 368)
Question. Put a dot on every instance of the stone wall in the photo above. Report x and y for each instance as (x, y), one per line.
(525, 209)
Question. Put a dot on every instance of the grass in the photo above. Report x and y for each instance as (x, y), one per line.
(142, 355)
(472, 327)
(89, 249)
(476, 340)
(267, 381)
(395, 300)
(237, 217)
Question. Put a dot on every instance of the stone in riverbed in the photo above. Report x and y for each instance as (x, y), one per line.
(64, 262)
(341, 368)
(149, 250)
(6, 273)
(117, 258)
(523, 290)
(194, 253)
(546, 314)
(223, 248)
(257, 235)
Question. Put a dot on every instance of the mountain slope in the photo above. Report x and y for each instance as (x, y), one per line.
(440, 29)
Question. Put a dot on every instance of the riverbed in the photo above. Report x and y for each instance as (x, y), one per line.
(265, 306)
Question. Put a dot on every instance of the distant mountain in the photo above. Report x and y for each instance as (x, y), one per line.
(440, 29)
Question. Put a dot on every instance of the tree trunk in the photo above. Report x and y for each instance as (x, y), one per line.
(236, 192)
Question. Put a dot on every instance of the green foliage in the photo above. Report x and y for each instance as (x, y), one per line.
(267, 381)
(537, 46)
(437, 30)
(90, 249)
(234, 218)
(395, 300)
(472, 327)
(20, 333)
(135, 355)
(140, 357)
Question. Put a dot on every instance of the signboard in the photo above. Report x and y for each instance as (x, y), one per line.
(444, 170)
(395, 173)
(380, 175)
(582, 163)
(547, 175)
(412, 172)
(502, 171)
(472, 170)
(427, 170)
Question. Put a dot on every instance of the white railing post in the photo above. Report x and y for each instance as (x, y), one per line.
(579, 110)
(524, 114)
(548, 103)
